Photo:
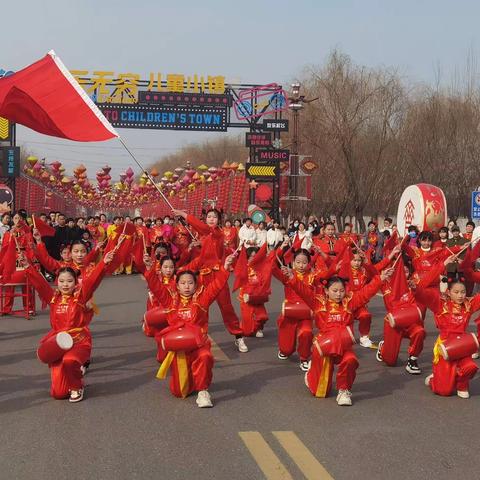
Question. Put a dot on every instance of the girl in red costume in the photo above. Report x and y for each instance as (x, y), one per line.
(231, 237)
(209, 262)
(398, 295)
(293, 332)
(71, 312)
(191, 371)
(452, 315)
(52, 265)
(20, 234)
(165, 270)
(333, 310)
(358, 277)
(255, 276)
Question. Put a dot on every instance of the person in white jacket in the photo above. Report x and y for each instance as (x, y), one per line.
(261, 234)
(304, 235)
(274, 236)
(247, 234)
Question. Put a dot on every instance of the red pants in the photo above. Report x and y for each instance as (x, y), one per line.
(17, 277)
(320, 375)
(254, 318)
(392, 338)
(229, 316)
(66, 374)
(152, 302)
(295, 333)
(449, 376)
(199, 366)
(364, 318)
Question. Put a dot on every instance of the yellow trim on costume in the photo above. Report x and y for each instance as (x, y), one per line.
(322, 386)
(182, 373)
(164, 367)
(436, 351)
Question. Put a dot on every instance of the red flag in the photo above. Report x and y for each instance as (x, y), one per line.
(470, 257)
(43, 228)
(345, 267)
(9, 260)
(241, 270)
(391, 243)
(399, 287)
(288, 255)
(46, 98)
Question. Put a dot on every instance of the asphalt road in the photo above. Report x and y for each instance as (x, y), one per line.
(129, 426)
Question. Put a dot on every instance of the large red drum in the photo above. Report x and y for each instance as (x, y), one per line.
(255, 299)
(53, 349)
(459, 346)
(184, 339)
(334, 342)
(422, 205)
(404, 317)
(296, 311)
(156, 318)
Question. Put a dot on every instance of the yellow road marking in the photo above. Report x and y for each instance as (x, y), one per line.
(301, 455)
(217, 352)
(269, 463)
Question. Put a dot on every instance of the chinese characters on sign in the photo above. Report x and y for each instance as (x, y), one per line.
(9, 161)
(258, 139)
(108, 87)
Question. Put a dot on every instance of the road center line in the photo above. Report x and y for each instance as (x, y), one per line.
(269, 463)
(217, 352)
(301, 455)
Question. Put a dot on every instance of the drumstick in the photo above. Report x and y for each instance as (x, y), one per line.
(33, 220)
(144, 245)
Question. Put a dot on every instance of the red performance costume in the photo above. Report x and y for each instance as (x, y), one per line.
(191, 371)
(22, 240)
(452, 320)
(231, 239)
(254, 279)
(208, 263)
(295, 323)
(332, 320)
(71, 314)
(397, 296)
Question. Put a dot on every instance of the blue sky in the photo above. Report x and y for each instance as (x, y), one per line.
(247, 41)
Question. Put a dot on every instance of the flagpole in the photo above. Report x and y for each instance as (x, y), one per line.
(159, 190)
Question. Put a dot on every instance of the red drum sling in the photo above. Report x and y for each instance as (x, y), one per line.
(404, 317)
(156, 318)
(184, 339)
(334, 342)
(53, 349)
(255, 299)
(459, 346)
(296, 311)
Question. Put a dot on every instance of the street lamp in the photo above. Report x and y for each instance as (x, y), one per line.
(295, 105)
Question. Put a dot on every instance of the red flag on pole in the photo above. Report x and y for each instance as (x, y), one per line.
(46, 98)
(43, 228)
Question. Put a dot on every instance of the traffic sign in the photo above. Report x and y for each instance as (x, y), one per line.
(475, 210)
(262, 170)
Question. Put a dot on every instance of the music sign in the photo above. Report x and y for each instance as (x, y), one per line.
(272, 155)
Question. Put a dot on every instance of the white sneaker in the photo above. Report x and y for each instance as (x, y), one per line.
(259, 334)
(83, 369)
(305, 366)
(378, 355)
(204, 400)
(344, 398)
(475, 356)
(241, 345)
(281, 356)
(427, 379)
(463, 393)
(76, 396)
(365, 341)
